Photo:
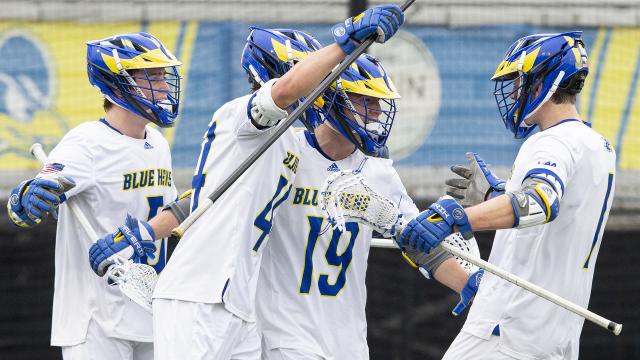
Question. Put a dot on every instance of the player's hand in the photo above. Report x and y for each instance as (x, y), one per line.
(477, 184)
(32, 200)
(468, 292)
(384, 20)
(135, 233)
(427, 230)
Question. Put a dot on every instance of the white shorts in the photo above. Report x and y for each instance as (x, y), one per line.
(99, 346)
(199, 331)
(468, 347)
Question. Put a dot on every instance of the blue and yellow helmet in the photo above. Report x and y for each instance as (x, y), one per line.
(361, 106)
(543, 61)
(119, 66)
(270, 53)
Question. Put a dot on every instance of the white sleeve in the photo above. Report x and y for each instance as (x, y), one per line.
(551, 160)
(72, 157)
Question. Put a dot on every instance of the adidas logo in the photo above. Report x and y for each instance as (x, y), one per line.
(147, 145)
(333, 167)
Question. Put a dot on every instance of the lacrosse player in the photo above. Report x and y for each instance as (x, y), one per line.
(204, 301)
(554, 207)
(312, 280)
(121, 169)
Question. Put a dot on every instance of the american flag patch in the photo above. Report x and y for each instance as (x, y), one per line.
(53, 168)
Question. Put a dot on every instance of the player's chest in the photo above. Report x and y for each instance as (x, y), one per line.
(134, 172)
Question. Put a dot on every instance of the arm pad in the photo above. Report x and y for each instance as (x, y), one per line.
(536, 203)
(426, 263)
(181, 206)
(262, 110)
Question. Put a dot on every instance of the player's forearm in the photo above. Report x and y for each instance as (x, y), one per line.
(493, 214)
(306, 75)
(451, 275)
(163, 223)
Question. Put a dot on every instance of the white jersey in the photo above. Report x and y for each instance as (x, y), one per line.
(218, 258)
(560, 256)
(312, 291)
(115, 175)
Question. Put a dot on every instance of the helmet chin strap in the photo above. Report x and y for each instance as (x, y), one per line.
(550, 93)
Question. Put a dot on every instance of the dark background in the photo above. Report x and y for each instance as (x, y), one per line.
(409, 316)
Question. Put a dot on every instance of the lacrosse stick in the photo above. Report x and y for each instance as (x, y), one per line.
(136, 281)
(281, 129)
(347, 197)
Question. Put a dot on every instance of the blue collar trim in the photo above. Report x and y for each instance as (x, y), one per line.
(110, 127)
(570, 120)
(104, 121)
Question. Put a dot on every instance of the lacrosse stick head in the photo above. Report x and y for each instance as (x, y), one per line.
(469, 247)
(136, 281)
(346, 196)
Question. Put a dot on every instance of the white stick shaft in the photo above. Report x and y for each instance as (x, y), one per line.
(38, 152)
(383, 243)
(186, 224)
(535, 289)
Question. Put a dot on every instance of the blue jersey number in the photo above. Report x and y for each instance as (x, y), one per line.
(155, 203)
(264, 220)
(333, 258)
(597, 236)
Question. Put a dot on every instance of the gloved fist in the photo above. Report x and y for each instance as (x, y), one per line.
(478, 183)
(32, 200)
(427, 230)
(135, 233)
(384, 20)
(468, 292)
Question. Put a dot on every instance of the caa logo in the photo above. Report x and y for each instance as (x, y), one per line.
(26, 81)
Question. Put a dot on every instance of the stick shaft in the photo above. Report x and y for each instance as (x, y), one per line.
(281, 129)
(38, 152)
(535, 289)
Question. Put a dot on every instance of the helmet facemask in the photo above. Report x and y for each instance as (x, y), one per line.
(151, 93)
(365, 120)
(515, 92)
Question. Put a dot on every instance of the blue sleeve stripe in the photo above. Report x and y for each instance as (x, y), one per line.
(548, 172)
(198, 179)
(516, 213)
(596, 236)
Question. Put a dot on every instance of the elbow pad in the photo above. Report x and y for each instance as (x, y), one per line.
(181, 206)
(536, 203)
(262, 110)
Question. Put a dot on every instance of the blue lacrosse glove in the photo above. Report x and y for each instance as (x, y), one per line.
(427, 230)
(477, 184)
(32, 200)
(468, 292)
(384, 20)
(135, 233)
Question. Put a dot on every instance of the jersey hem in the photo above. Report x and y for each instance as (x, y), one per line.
(182, 297)
(239, 313)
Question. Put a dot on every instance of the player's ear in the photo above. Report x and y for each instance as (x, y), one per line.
(538, 90)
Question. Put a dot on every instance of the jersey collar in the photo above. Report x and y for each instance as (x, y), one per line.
(569, 120)
(104, 121)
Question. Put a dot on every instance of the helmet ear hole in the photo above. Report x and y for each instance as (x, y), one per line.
(575, 83)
